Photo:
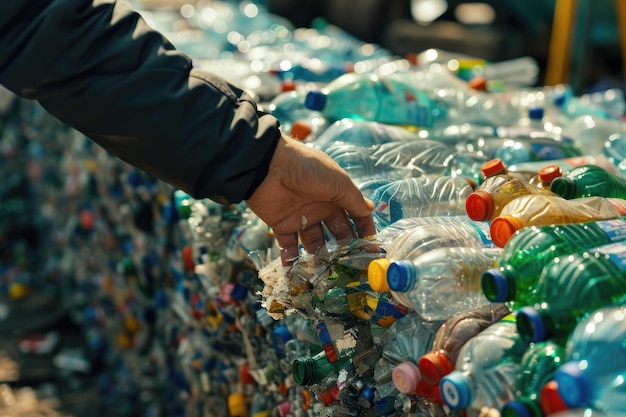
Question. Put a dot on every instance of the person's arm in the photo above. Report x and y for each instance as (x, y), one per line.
(98, 67)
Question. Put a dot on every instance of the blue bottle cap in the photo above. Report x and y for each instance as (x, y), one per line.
(516, 408)
(559, 100)
(315, 100)
(280, 336)
(530, 325)
(238, 292)
(456, 390)
(495, 285)
(574, 386)
(368, 393)
(535, 113)
(400, 276)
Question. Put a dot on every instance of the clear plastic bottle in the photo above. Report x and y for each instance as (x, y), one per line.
(570, 288)
(363, 133)
(360, 164)
(593, 375)
(496, 191)
(591, 132)
(405, 340)
(391, 99)
(531, 249)
(442, 281)
(540, 210)
(537, 148)
(538, 366)
(419, 197)
(486, 369)
(451, 337)
(587, 181)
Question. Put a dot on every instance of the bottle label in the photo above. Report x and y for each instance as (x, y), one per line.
(614, 229)
(616, 252)
(547, 151)
(483, 232)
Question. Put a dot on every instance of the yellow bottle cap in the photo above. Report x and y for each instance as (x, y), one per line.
(377, 274)
(237, 406)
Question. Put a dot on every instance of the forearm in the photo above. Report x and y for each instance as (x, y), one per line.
(99, 68)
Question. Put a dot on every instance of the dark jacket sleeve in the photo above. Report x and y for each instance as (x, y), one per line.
(98, 67)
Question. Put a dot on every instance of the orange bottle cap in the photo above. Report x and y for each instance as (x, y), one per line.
(188, 258)
(502, 228)
(478, 83)
(288, 85)
(479, 205)
(434, 365)
(493, 167)
(549, 172)
(300, 130)
(377, 274)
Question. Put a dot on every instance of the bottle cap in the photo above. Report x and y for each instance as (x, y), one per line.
(377, 274)
(456, 391)
(315, 100)
(575, 387)
(478, 83)
(563, 186)
(287, 85)
(300, 130)
(284, 408)
(400, 276)
(549, 399)
(405, 377)
(329, 396)
(479, 205)
(434, 365)
(502, 228)
(280, 336)
(492, 167)
(496, 286)
(549, 173)
(530, 325)
(368, 393)
(237, 406)
(188, 258)
(429, 392)
(519, 408)
(535, 113)
(559, 100)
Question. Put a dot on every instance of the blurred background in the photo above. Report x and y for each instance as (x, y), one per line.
(586, 52)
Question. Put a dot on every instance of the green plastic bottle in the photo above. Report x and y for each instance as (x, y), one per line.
(538, 366)
(571, 287)
(313, 370)
(532, 248)
(587, 181)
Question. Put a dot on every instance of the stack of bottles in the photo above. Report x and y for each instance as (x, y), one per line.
(495, 281)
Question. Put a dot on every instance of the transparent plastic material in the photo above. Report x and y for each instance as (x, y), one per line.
(486, 369)
(593, 375)
(392, 160)
(541, 210)
(363, 133)
(451, 337)
(587, 181)
(442, 281)
(536, 148)
(570, 288)
(532, 248)
(591, 132)
(405, 340)
(419, 197)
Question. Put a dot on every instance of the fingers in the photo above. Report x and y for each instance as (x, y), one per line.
(365, 226)
(288, 244)
(312, 238)
(339, 225)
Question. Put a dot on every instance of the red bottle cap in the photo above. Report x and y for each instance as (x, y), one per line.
(188, 258)
(549, 399)
(288, 85)
(435, 365)
(493, 167)
(502, 228)
(329, 396)
(300, 130)
(548, 173)
(478, 83)
(479, 205)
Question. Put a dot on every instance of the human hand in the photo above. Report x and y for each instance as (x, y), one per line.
(303, 188)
